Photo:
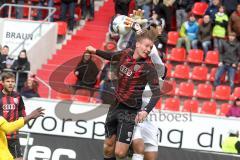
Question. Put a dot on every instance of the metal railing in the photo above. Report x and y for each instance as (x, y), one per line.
(51, 11)
(28, 72)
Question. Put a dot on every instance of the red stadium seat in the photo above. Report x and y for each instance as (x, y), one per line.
(222, 92)
(186, 89)
(62, 28)
(212, 57)
(236, 93)
(172, 104)
(204, 91)
(237, 77)
(213, 73)
(81, 98)
(25, 11)
(199, 73)
(172, 92)
(195, 56)
(190, 106)
(63, 96)
(199, 8)
(224, 109)
(83, 92)
(169, 69)
(209, 108)
(159, 104)
(181, 72)
(57, 1)
(78, 13)
(178, 55)
(172, 37)
(110, 46)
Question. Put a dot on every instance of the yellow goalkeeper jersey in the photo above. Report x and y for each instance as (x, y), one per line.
(7, 127)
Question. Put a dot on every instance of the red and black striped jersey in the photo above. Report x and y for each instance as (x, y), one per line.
(133, 76)
(12, 107)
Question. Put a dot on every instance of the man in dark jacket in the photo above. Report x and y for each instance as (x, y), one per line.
(229, 58)
(21, 66)
(204, 34)
(230, 5)
(213, 9)
(86, 72)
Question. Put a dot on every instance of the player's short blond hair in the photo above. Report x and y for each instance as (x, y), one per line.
(150, 34)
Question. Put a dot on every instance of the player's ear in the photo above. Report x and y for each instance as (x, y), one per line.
(137, 44)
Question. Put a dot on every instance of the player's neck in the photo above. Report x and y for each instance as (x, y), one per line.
(6, 92)
(136, 55)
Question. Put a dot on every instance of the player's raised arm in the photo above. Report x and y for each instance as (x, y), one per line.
(9, 127)
(114, 56)
(154, 85)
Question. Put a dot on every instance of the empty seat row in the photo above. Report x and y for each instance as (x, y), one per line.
(208, 107)
(199, 73)
(194, 56)
(203, 91)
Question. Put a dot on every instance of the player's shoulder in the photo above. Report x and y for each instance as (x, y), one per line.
(16, 94)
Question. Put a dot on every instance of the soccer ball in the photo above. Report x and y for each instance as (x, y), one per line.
(118, 25)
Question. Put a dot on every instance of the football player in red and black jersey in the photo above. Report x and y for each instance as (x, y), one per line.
(135, 71)
(11, 108)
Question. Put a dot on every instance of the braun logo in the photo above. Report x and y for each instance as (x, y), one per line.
(24, 36)
(9, 107)
(125, 70)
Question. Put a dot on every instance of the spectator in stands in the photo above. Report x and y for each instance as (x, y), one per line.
(108, 82)
(41, 3)
(213, 9)
(234, 111)
(122, 7)
(30, 88)
(4, 12)
(182, 9)
(231, 144)
(164, 9)
(220, 28)
(85, 9)
(229, 58)
(68, 5)
(188, 33)
(21, 66)
(230, 5)
(19, 10)
(5, 60)
(204, 34)
(161, 41)
(145, 5)
(86, 72)
(234, 22)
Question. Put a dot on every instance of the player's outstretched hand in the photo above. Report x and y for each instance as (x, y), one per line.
(91, 49)
(141, 116)
(34, 114)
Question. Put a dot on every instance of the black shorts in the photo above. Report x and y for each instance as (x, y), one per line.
(120, 122)
(15, 148)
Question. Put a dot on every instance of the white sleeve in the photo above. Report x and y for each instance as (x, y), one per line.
(157, 61)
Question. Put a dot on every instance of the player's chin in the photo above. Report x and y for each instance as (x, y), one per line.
(144, 55)
(10, 89)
